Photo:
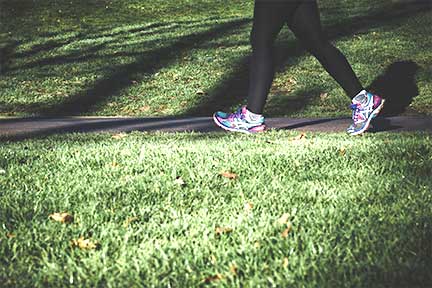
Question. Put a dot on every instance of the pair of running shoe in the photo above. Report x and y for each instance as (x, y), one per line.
(365, 106)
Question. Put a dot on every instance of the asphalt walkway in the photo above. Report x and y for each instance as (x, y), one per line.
(24, 128)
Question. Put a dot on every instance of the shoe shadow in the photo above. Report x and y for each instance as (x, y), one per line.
(397, 85)
(381, 124)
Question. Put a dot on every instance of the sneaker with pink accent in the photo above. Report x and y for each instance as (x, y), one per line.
(240, 121)
(365, 106)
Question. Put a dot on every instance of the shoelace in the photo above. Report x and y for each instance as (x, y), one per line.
(238, 114)
(356, 112)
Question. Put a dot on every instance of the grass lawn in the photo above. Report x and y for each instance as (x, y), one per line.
(190, 57)
(327, 210)
(190, 209)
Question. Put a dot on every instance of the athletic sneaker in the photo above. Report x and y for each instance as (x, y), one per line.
(365, 106)
(240, 121)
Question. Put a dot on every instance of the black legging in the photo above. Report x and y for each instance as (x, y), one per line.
(302, 17)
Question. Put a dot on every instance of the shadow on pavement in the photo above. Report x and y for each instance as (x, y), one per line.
(382, 125)
(17, 129)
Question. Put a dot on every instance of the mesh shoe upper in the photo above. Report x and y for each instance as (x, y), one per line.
(365, 107)
(239, 121)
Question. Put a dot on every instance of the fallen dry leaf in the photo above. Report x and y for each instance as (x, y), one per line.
(287, 230)
(342, 151)
(129, 220)
(283, 219)
(62, 217)
(213, 278)
(323, 96)
(285, 262)
(144, 108)
(257, 244)
(229, 175)
(85, 244)
(119, 136)
(10, 235)
(223, 230)
(292, 81)
(299, 137)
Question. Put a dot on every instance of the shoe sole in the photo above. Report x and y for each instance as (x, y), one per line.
(373, 115)
(232, 129)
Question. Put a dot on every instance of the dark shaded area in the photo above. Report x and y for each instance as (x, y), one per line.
(233, 90)
(7, 49)
(381, 124)
(398, 86)
(52, 126)
(17, 8)
(296, 102)
(315, 122)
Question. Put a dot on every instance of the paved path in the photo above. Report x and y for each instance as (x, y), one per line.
(23, 128)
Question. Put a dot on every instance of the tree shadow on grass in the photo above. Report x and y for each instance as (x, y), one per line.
(7, 48)
(296, 102)
(57, 42)
(147, 63)
(135, 31)
(233, 90)
(220, 97)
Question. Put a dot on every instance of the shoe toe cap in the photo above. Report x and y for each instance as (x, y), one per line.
(221, 114)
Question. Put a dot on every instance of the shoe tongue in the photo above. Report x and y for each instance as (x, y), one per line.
(244, 110)
(361, 99)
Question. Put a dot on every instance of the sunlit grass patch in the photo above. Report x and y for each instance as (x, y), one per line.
(164, 209)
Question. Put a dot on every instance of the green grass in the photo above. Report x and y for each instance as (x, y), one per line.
(360, 210)
(189, 57)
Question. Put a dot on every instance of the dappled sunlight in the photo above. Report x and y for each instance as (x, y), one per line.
(198, 65)
(94, 57)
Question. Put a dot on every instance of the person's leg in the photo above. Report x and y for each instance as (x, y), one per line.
(306, 25)
(269, 18)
